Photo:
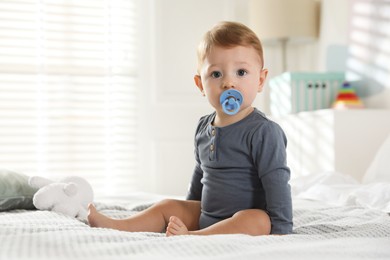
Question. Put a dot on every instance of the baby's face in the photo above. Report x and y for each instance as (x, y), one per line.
(237, 68)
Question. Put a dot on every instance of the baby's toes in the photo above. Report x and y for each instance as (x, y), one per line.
(176, 222)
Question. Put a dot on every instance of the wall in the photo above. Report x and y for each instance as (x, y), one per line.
(171, 104)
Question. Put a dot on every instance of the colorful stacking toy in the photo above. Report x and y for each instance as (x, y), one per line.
(347, 98)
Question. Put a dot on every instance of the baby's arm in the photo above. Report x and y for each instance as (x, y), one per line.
(195, 188)
(279, 205)
(274, 175)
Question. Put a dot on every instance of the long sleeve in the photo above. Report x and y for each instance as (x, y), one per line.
(195, 187)
(278, 198)
(274, 175)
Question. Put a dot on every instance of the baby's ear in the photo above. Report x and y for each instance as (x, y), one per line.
(262, 79)
(70, 189)
(38, 182)
(198, 83)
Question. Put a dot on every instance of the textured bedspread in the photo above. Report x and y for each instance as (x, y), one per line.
(320, 232)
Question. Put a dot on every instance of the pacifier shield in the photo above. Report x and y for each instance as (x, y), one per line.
(231, 101)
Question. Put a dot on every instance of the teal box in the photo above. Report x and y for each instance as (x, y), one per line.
(293, 92)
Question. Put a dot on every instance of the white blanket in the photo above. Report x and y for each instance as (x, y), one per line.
(320, 232)
(342, 190)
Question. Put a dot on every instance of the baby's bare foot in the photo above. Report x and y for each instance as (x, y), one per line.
(176, 227)
(96, 219)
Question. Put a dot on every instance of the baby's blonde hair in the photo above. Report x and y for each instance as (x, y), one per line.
(228, 34)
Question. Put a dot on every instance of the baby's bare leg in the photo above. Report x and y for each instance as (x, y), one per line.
(251, 222)
(153, 219)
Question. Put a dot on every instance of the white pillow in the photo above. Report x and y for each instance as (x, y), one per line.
(379, 170)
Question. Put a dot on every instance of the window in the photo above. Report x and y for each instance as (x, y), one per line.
(369, 58)
(68, 90)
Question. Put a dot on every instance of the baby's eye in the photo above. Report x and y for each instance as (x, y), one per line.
(241, 72)
(216, 74)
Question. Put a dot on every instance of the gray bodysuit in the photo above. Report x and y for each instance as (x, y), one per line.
(242, 166)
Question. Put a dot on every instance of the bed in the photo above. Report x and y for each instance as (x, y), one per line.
(321, 231)
(335, 217)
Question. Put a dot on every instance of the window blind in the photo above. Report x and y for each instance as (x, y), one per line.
(68, 90)
(368, 57)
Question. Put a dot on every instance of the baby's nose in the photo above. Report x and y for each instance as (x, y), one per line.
(228, 84)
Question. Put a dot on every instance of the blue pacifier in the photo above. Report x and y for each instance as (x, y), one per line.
(231, 101)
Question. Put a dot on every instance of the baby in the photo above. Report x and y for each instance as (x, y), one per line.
(240, 181)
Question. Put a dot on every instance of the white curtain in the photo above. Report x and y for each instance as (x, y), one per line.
(68, 90)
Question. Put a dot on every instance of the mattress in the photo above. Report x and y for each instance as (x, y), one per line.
(321, 231)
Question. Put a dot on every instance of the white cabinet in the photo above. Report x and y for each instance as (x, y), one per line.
(334, 140)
